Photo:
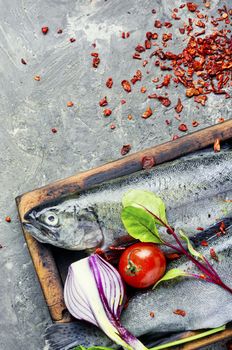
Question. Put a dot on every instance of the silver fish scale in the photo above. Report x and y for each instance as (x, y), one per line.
(206, 305)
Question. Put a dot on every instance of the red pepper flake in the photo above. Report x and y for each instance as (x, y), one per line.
(204, 243)
(99, 251)
(152, 314)
(175, 137)
(172, 256)
(182, 30)
(154, 36)
(72, 40)
(96, 61)
(168, 122)
(139, 48)
(107, 112)
(216, 146)
(201, 99)
(143, 89)
(164, 100)
(136, 77)
(123, 102)
(179, 312)
(147, 44)
(220, 120)
(222, 228)
(200, 228)
(195, 123)
(125, 149)
(109, 83)
(153, 11)
(126, 85)
(129, 117)
(54, 130)
(213, 254)
(192, 6)
(192, 92)
(37, 77)
(149, 35)
(23, 61)
(157, 24)
(145, 62)
(167, 36)
(179, 106)
(103, 102)
(112, 126)
(136, 56)
(44, 30)
(94, 54)
(168, 24)
(147, 113)
(148, 162)
(125, 35)
(70, 104)
(202, 277)
(200, 24)
(8, 219)
(59, 31)
(183, 127)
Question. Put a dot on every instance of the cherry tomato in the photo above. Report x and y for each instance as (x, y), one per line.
(142, 264)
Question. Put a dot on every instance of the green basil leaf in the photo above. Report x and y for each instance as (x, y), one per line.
(147, 200)
(191, 250)
(139, 224)
(173, 273)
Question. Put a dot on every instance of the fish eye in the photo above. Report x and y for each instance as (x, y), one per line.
(50, 218)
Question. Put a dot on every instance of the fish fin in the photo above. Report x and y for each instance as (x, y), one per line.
(66, 336)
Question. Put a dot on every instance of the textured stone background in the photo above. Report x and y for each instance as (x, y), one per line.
(31, 156)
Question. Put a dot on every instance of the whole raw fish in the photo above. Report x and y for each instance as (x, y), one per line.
(206, 306)
(194, 189)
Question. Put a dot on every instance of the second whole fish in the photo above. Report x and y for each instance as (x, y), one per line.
(197, 190)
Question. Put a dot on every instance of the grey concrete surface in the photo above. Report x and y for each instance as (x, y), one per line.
(31, 155)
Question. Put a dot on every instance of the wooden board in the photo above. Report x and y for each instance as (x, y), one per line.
(42, 255)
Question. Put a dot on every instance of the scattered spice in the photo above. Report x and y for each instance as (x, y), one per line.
(148, 162)
(112, 126)
(103, 102)
(213, 255)
(126, 85)
(37, 77)
(157, 24)
(143, 89)
(72, 40)
(220, 120)
(8, 219)
(59, 31)
(23, 61)
(107, 112)
(147, 113)
(179, 106)
(195, 123)
(123, 102)
(179, 312)
(183, 127)
(192, 6)
(125, 149)
(136, 77)
(54, 130)
(125, 35)
(152, 314)
(44, 30)
(139, 48)
(109, 83)
(204, 243)
(172, 256)
(175, 137)
(130, 117)
(216, 146)
(200, 228)
(164, 100)
(70, 104)
(201, 99)
(95, 62)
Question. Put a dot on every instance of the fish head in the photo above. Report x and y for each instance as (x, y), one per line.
(69, 227)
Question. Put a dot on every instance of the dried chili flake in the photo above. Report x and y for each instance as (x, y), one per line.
(125, 35)
(155, 80)
(70, 104)
(200, 228)
(126, 85)
(164, 100)
(175, 137)
(167, 36)
(200, 24)
(174, 16)
(94, 54)
(152, 314)
(107, 112)
(192, 92)
(125, 149)
(202, 277)
(168, 122)
(103, 102)
(8, 219)
(179, 107)
(172, 256)
(23, 61)
(213, 255)
(204, 243)
(157, 24)
(145, 62)
(153, 11)
(155, 36)
(192, 6)
(148, 113)
(112, 126)
(72, 40)
(143, 89)
(148, 162)
(195, 123)
(207, 4)
(95, 62)
(136, 56)
(182, 30)
(54, 130)
(179, 312)
(220, 120)
(139, 48)
(59, 31)
(200, 33)
(123, 102)
(147, 44)
(44, 30)
(37, 77)
(216, 146)
(149, 35)
(168, 24)
(129, 117)
(183, 127)
(201, 99)
(109, 83)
